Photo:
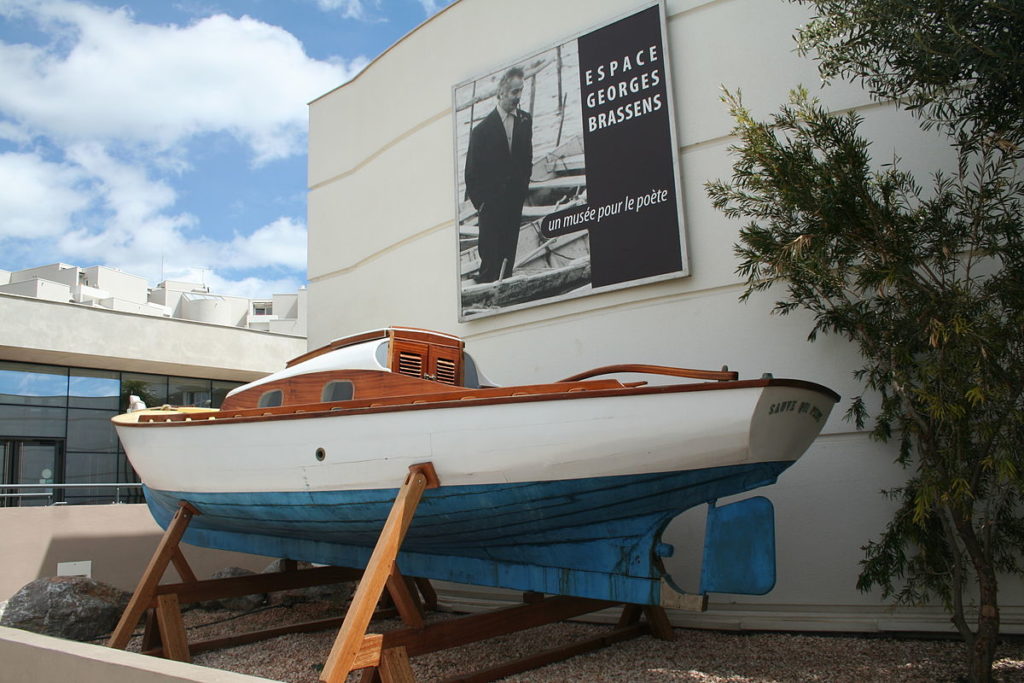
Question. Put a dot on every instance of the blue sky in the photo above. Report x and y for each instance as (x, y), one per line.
(168, 138)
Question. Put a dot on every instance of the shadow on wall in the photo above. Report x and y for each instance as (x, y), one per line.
(117, 560)
(120, 561)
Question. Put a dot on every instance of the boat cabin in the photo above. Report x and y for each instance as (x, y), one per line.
(395, 361)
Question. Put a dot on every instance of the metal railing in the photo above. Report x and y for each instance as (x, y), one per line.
(48, 490)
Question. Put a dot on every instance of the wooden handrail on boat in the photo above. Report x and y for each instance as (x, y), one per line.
(714, 375)
(456, 394)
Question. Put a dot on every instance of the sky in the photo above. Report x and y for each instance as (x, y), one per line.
(167, 138)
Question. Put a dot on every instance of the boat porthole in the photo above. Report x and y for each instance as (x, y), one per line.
(320, 454)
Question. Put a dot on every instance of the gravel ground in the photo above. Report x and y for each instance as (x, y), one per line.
(704, 656)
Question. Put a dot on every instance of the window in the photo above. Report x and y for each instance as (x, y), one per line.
(338, 390)
(220, 391)
(38, 385)
(184, 391)
(262, 308)
(152, 389)
(94, 388)
(271, 399)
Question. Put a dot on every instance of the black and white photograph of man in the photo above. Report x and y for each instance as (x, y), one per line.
(519, 157)
(499, 161)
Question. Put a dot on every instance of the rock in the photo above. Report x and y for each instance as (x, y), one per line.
(242, 603)
(71, 607)
(337, 593)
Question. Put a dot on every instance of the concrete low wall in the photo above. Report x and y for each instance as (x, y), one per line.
(117, 539)
(27, 656)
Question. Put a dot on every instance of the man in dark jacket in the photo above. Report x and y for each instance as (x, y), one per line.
(498, 165)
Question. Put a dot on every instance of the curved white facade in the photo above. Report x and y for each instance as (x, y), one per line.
(382, 250)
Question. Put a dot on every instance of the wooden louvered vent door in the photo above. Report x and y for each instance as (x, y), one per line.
(445, 365)
(427, 361)
(409, 358)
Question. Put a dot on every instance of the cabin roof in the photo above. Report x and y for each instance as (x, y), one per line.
(390, 332)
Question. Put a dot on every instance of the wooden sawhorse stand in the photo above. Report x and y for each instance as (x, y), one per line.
(383, 657)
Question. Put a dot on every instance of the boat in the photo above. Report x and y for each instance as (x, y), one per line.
(559, 488)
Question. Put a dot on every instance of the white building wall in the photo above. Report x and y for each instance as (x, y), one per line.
(382, 250)
(39, 288)
(219, 310)
(36, 331)
(285, 305)
(121, 285)
(54, 272)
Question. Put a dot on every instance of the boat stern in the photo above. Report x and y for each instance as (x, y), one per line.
(788, 418)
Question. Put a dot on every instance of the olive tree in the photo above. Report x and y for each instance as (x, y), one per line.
(925, 277)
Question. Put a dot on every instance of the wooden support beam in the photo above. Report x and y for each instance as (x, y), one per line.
(394, 666)
(209, 644)
(406, 601)
(660, 626)
(142, 598)
(234, 586)
(371, 675)
(414, 591)
(172, 628)
(151, 634)
(475, 627)
(182, 567)
(553, 655)
(375, 577)
(630, 614)
(428, 593)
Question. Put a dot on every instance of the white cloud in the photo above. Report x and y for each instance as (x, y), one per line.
(134, 199)
(430, 7)
(250, 287)
(278, 244)
(158, 85)
(106, 109)
(352, 9)
(166, 253)
(140, 233)
(38, 197)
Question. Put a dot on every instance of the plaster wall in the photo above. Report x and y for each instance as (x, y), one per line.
(32, 657)
(55, 272)
(46, 290)
(32, 330)
(117, 539)
(219, 310)
(121, 285)
(382, 250)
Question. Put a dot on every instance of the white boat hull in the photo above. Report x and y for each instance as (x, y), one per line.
(537, 440)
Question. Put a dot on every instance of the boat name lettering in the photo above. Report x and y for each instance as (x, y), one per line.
(801, 407)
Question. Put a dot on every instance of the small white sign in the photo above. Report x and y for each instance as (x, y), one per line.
(80, 568)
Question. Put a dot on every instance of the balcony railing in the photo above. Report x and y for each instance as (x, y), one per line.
(36, 491)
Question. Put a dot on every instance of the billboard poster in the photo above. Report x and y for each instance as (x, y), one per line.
(566, 167)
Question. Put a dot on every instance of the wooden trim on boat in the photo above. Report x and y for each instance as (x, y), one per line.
(307, 388)
(465, 398)
(441, 394)
(715, 375)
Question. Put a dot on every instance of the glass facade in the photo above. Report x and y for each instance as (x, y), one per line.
(55, 428)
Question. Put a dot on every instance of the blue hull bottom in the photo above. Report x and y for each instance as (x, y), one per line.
(593, 538)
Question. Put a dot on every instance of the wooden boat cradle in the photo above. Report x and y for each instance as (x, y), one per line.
(382, 657)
